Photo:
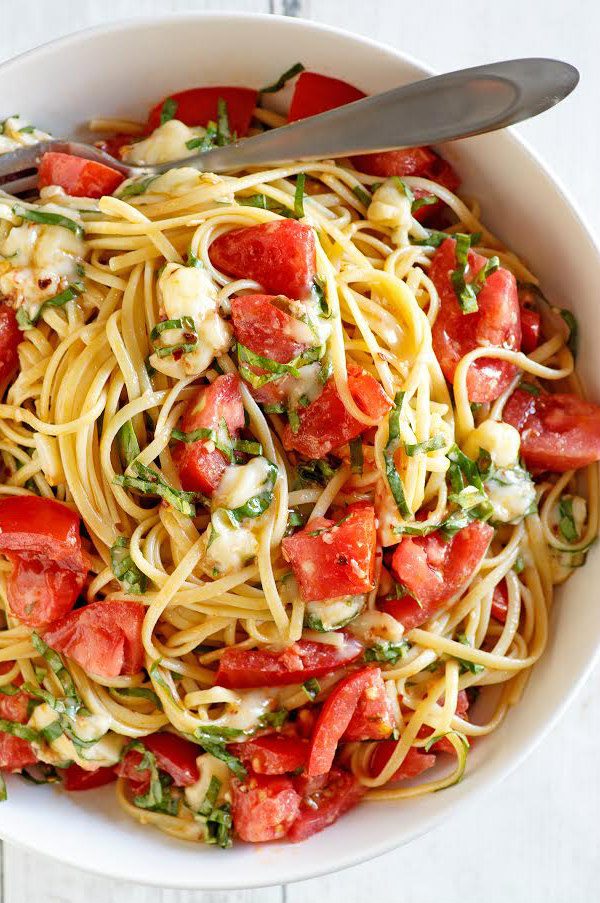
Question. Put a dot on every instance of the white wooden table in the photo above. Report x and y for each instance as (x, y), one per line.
(534, 838)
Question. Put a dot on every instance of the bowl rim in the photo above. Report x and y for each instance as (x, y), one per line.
(299, 872)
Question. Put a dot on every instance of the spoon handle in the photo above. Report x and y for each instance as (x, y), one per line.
(440, 108)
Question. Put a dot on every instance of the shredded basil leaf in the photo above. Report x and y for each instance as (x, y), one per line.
(223, 135)
(423, 202)
(573, 340)
(294, 70)
(203, 142)
(566, 524)
(139, 186)
(213, 741)
(125, 569)
(168, 110)
(433, 444)
(363, 196)
(387, 652)
(138, 693)
(257, 504)
(150, 482)
(466, 665)
(128, 444)
(274, 719)
(274, 368)
(299, 195)
(49, 219)
(529, 387)
(19, 730)
(356, 455)
(318, 471)
(519, 564)
(218, 820)
(26, 320)
(56, 664)
(393, 477)
(312, 688)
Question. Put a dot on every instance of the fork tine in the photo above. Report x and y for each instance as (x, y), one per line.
(16, 186)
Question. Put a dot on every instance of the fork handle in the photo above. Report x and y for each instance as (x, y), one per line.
(441, 108)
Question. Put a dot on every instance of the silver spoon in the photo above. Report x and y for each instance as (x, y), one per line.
(441, 108)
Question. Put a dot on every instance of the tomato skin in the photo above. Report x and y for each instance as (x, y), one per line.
(103, 637)
(38, 592)
(174, 755)
(435, 571)
(76, 778)
(325, 805)
(263, 807)
(500, 602)
(336, 716)
(497, 322)
(326, 423)
(15, 753)
(264, 328)
(198, 106)
(339, 560)
(315, 93)
(272, 754)
(78, 177)
(372, 718)
(280, 255)
(44, 527)
(247, 668)
(10, 336)
(200, 469)
(558, 432)
(415, 762)
(531, 324)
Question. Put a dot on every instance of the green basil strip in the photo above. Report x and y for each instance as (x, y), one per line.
(312, 688)
(466, 665)
(184, 347)
(128, 445)
(573, 340)
(140, 186)
(566, 524)
(219, 822)
(433, 444)
(27, 130)
(274, 719)
(363, 196)
(529, 387)
(125, 569)
(26, 321)
(318, 471)
(203, 142)
(519, 564)
(403, 188)
(221, 439)
(356, 455)
(387, 652)
(48, 219)
(293, 420)
(435, 737)
(294, 70)
(9, 690)
(318, 289)
(67, 706)
(168, 110)
(3, 791)
(257, 504)
(426, 201)
(434, 239)
(179, 323)
(299, 195)
(393, 477)
(223, 130)
(214, 743)
(248, 446)
(138, 693)
(19, 730)
(150, 482)
(274, 368)
(56, 664)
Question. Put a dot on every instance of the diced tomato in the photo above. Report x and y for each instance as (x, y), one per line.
(174, 755)
(443, 745)
(324, 806)
(15, 753)
(373, 717)
(497, 322)
(331, 560)
(38, 592)
(326, 423)
(104, 638)
(10, 336)
(14, 708)
(41, 527)
(412, 161)
(280, 255)
(315, 93)
(78, 177)
(415, 762)
(558, 432)
(272, 754)
(500, 602)
(263, 807)
(77, 778)
(265, 328)
(336, 715)
(435, 571)
(242, 668)
(531, 323)
(200, 467)
(199, 106)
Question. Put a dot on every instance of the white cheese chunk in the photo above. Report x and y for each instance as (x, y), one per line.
(229, 548)
(501, 440)
(242, 481)
(391, 208)
(511, 492)
(107, 751)
(166, 143)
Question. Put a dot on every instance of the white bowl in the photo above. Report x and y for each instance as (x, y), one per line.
(121, 70)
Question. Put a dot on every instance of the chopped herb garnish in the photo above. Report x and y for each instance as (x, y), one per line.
(393, 477)
(318, 471)
(519, 564)
(214, 739)
(27, 321)
(356, 455)
(274, 368)
(274, 719)
(49, 219)
(203, 142)
(363, 196)
(312, 688)
(466, 665)
(140, 186)
(257, 504)
(294, 70)
(566, 525)
(299, 195)
(139, 693)
(529, 387)
(56, 664)
(573, 339)
(150, 482)
(223, 135)
(420, 448)
(128, 445)
(125, 569)
(423, 202)
(295, 519)
(387, 652)
(168, 110)
(218, 819)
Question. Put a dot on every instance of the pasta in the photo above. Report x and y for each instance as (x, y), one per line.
(305, 510)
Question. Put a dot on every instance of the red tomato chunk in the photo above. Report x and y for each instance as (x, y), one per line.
(435, 571)
(199, 106)
(326, 423)
(280, 255)
(272, 754)
(104, 638)
(174, 755)
(415, 762)
(558, 432)
(10, 336)
(77, 778)
(263, 807)
(263, 327)
(331, 560)
(340, 792)
(245, 668)
(315, 93)
(78, 177)
(199, 464)
(497, 322)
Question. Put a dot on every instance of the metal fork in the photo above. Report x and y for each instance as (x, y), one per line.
(441, 108)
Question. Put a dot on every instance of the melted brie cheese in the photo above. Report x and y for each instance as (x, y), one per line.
(240, 482)
(107, 751)
(166, 143)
